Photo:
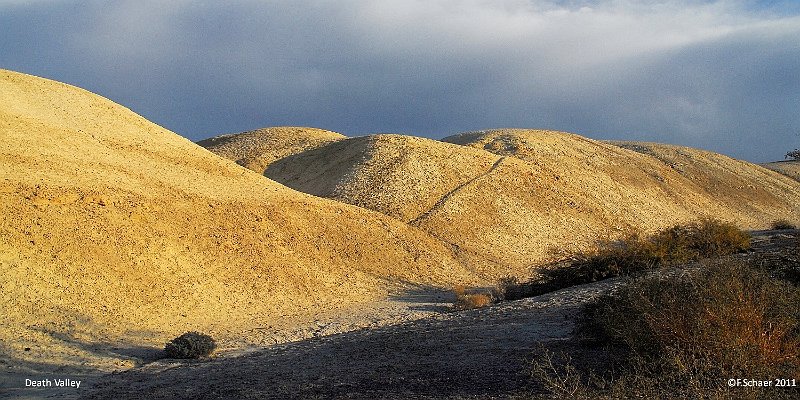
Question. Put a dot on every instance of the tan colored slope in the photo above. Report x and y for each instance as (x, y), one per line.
(114, 229)
(626, 190)
(257, 149)
(790, 168)
(508, 197)
(401, 176)
(409, 178)
(746, 189)
(678, 178)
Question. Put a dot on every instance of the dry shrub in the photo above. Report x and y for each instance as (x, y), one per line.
(710, 238)
(558, 377)
(691, 332)
(459, 290)
(472, 301)
(190, 345)
(783, 224)
(634, 253)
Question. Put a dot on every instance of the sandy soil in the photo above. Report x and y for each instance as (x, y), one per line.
(402, 305)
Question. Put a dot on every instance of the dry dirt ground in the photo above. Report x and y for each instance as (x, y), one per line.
(411, 346)
(471, 354)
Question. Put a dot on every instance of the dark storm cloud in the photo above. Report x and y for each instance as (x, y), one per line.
(717, 75)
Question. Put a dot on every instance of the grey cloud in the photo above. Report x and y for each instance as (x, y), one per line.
(716, 75)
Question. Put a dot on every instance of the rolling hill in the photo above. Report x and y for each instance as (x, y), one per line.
(116, 230)
(257, 149)
(117, 234)
(514, 198)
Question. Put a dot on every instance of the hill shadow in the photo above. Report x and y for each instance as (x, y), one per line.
(21, 361)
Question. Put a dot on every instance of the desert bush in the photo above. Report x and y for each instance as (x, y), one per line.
(711, 238)
(794, 154)
(693, 331)
(469, 301)
(190, 345)
(558, 377)
(634, 253)
(782, 224)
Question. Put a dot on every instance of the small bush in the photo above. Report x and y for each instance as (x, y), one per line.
(558, 376)
(711, 238)
(782, 224)
(795, 154)
(190, 345)
(472, 301)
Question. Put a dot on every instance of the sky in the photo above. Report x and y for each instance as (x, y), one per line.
(718, 75)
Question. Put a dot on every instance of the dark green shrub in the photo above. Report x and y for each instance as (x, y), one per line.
(190, 345)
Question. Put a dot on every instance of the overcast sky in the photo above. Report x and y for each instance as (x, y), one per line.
(719, 75)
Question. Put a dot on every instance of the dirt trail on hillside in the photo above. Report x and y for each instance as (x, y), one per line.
(506, 199)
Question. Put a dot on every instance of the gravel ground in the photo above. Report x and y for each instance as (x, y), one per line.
(471, 354)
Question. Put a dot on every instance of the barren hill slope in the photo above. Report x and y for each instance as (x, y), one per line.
(699, 181)
(790, 168)
(745, 188)
(478, 202)
(401, 176)
(257, 149)
(507, 197)
(114, 230)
